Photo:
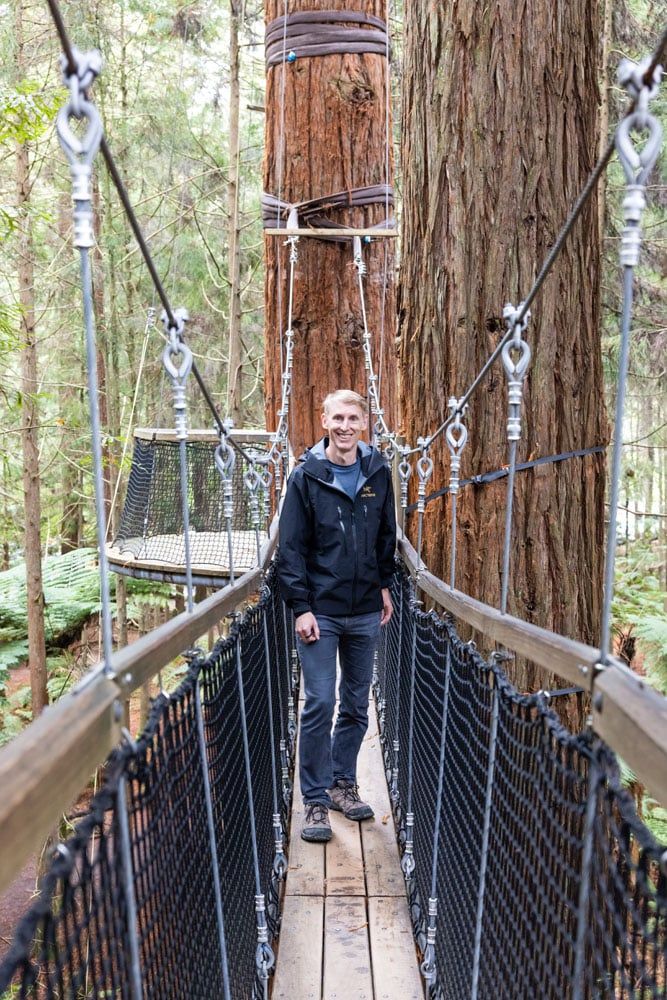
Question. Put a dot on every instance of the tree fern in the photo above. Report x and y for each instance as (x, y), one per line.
(652, 629)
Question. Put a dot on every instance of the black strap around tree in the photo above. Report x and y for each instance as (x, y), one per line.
(491, 477)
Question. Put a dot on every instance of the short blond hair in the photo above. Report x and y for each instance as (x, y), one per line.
(345, 396)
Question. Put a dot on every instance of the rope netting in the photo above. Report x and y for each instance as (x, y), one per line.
(128, 907)
(151, 525)
(529, 872)
(527, 868)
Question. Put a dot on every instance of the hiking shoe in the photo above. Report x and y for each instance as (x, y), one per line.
(316, 825)
(345, 798)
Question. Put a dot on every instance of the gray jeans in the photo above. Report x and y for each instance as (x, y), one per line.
(325, 757)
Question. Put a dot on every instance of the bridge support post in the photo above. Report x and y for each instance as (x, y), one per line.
(485, 845)
(212, 842)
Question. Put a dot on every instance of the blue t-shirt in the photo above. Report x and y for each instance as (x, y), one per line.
(347, 476)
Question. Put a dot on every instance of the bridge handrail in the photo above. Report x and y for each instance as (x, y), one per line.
(627, 713)
(44, 768)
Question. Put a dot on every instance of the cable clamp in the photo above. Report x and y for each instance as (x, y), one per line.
(516, 358)
(637, 162)
(427, 966)
(225, 460)
(456, 436)
(631, 76)
(424, 472)
(81, 150)
(175, 349)
(358, 259)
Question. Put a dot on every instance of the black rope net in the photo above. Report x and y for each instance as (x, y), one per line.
(150, 535)
(78, 939)
(547, 883)
(512, 846)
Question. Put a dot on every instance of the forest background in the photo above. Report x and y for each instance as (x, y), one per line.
(182, 99)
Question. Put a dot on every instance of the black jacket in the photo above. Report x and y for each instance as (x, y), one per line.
(335, 553)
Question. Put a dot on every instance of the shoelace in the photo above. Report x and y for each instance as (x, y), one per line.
(350, 793)
(316, 813)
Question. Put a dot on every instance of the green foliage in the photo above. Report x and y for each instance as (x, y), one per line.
(655, 817)
(26, 111)
(638, 608)
(12, 653)
(653, 630)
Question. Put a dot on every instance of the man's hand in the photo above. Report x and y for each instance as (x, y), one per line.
(306, 627)
(387, 606)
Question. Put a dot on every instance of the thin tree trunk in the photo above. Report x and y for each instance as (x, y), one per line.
(30, 414)
(501, 113)
(101, 326)
(333, 139)
(70, 401)
(235, 380)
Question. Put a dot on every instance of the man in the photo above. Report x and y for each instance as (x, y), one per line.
(335, 563)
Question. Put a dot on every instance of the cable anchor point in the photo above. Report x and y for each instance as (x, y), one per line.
(408, 860)
(456, 436)
(637, 163)
(178, 371)
(81, 151)
(264, 957)
(358, 259)
(516, 356)
(427, 966)
(225, 460)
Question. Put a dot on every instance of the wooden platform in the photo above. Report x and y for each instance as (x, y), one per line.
(162, 557)
(346, 932)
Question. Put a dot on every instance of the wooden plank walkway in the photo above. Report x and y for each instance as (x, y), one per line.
(346, 932)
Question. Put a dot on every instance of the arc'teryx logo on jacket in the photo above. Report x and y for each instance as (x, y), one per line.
(335, 553)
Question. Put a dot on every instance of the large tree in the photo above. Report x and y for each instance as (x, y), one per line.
(500, 110)
(326, 129)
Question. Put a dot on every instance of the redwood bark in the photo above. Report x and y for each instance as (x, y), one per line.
(333, 140)
(30, 414)
(500, 108)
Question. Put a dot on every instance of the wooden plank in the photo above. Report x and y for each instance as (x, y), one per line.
(390, 234)
(305, 874)
(46, 767)
(631, 717)
(556, 653)
(299, 963)
(395, 967)
(347, 959)
(378, 838)
(344, 860)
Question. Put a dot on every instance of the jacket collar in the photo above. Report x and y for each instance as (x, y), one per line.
(314, 461)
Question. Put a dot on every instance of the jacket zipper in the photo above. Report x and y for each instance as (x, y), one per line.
(356, 558)
(342, 528)
(365, 529)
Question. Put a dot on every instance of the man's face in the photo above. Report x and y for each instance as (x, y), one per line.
(345, 423)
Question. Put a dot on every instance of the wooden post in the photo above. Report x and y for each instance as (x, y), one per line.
(326, 129)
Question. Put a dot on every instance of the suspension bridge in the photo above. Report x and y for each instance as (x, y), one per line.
(524, 868)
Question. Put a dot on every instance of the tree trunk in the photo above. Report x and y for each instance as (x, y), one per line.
(102, 340)
(334, 139)
(234, 380)
(501, 113)
(30, 413)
